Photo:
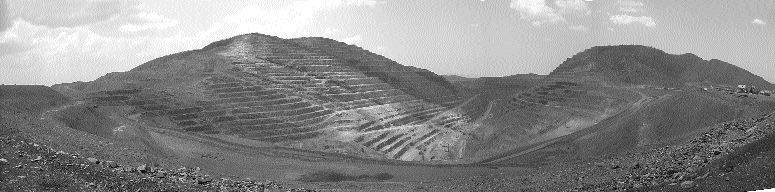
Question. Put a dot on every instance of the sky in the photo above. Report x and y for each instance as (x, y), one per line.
(49, 42)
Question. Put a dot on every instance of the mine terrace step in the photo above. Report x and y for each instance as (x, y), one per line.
(255, 101)
(226, 85)
(267, 108)
(271, 129)
(248, 94)
(300, 119)
(291, 137)
(292, 112)
(237, 89)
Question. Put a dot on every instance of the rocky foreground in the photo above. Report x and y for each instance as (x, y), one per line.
(27, 166)
(711, 162)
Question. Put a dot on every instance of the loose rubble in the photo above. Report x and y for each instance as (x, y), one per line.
(682, 164)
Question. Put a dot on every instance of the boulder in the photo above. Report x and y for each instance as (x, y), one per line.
(3, 161)
(93, 160)
(111, 164)
(142, 168)
(37, 159)
(203, 180)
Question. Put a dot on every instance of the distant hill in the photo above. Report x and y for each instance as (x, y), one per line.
(29, 98)
(454, 78)
(636, 64)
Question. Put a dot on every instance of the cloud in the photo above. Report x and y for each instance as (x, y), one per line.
(539, 13)
(353, 39)
(569, 6)
(630, 6)
(626, 19)
(144, 21)
(40, 54)
(536, 11)
(66, 13)
(578, 28)
(369, 3)
(291, 20)
(758, 22)
(5, 20)
(330, 31)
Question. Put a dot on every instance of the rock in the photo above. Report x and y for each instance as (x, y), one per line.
(18, 166)
(615, 167)
(203, 180)
(37, 159)
(3, 161)
(636, 166)
(687, 184)
(142, 168)
(61, 153)
(111, 164)
(93, 160)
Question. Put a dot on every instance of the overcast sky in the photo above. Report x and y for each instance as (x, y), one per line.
(49, 42)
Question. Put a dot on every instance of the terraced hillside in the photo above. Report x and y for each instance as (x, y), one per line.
(309, 93)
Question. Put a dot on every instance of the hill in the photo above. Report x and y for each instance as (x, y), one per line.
(316, 93)
(642, 65)
(18, 97)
